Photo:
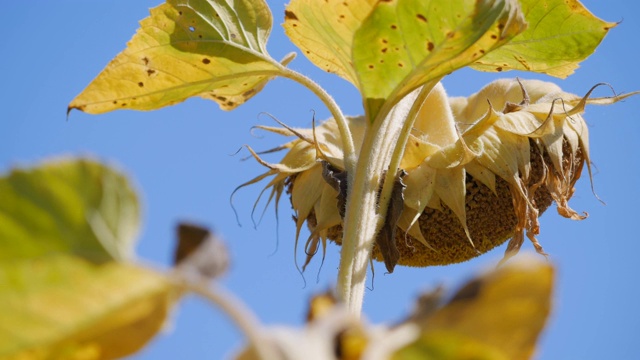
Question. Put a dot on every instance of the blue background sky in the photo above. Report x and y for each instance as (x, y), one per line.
(181, 158)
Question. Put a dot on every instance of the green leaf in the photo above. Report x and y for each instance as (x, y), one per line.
(324, 31)
(561, 34)
(61, 295)
(79, 207)
(215, 49)
(496, 316)
(404, 44)
(63, 307)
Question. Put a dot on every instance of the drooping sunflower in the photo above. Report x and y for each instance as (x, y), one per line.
(517, 147)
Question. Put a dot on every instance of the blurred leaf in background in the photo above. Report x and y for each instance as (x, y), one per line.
(67, 230)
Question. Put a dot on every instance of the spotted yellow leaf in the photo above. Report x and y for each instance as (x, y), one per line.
(560, 35)
(404, 44)
(324, 31)
(215, 49)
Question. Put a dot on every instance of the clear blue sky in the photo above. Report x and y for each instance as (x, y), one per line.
(182, 160)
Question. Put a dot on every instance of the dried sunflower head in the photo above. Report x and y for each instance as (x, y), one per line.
(478, 171)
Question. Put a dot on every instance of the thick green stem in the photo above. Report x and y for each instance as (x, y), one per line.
(383, 145)
(381, 152)
(361, 221)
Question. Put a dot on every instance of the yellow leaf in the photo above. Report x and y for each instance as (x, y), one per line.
(63, 307)
(502, 313)
(553, 25)
(404, 44)
(324, 31)
(208, 48)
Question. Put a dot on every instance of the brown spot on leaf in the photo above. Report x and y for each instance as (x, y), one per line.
(451, 34)
(145, 60)
(494, 36)
(221, 98)
(500, 26)
(499, 68)
(123, 104)
(115, 102)
(341, 16)
(393, 26)
(150, 72)
(206, 61)
(141, 84)
(371, 66)
(482, 51)
(400, 64)
(385, 41)
(430, 46)
(421, 17)
(290, 15)
(180, 13)
(230, 103)
(384, 50)
(248, 93)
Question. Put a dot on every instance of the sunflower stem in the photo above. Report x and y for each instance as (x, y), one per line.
(235, 309)
(383, 145)
(361, 221)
